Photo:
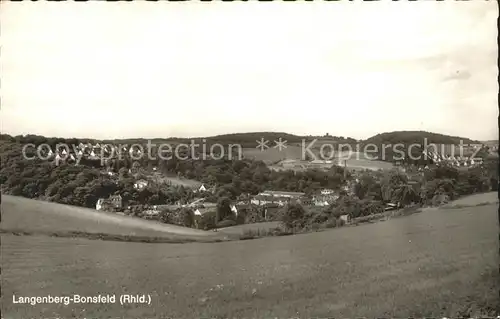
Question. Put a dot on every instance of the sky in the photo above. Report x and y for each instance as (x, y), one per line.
(153, 69)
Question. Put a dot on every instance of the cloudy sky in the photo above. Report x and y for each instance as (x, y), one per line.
(142, 69)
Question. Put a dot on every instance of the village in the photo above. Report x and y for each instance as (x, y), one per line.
(268, 202)
(204, 196)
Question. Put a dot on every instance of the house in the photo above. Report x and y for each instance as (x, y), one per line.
(304, 200)
(457, 155)
(197, 212)
(203, 188)
(327, 191)
(294, 195)
(345, 218)
(324, 200)
(234, 210)
(141, 184)
(116, 200)
(201, 211)
(276, 197)
(263, 200)
(320, 164)
(110, 203)
(102, 204)
(292, 164)
(318, 202)
(151, 213)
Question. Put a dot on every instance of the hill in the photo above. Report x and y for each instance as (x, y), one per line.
(33, 216)
(416, 137)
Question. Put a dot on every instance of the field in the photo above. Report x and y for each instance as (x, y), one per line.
(441, 262)
(176, 181)
(354, 160)
(368, 164)
(272, 155)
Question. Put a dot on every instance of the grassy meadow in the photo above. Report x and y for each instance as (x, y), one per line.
(441, 262)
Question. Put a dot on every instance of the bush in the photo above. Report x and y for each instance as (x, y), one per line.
(257, 233)
(207, 221)
(331, 223)
(294, 216)
(316, 226)
(340, 222)
(334, 223)
(252, 215)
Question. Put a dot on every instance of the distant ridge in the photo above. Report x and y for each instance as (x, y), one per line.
(249, 139)
(410, 137)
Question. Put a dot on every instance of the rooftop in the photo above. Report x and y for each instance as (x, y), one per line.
(281, 193)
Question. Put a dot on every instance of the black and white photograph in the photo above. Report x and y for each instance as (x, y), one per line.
(247, 159)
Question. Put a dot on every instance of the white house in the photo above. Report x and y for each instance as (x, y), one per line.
(151, 212)
(64, 152)
(345, 218)
(202, 188)
(327, 191)
(320, 203)
(111, 202)
(234, 210)
(140, 184)
(99, 204)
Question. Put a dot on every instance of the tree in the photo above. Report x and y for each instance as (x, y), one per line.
(405, 194)
(293, 216)
(187, 217)
(223, 209)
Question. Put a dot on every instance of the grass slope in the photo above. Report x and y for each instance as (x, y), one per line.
(27, 215)
(434, 264)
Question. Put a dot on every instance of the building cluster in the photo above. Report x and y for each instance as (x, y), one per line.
(279, 198)
(440, 158)
(89, 151)
(304, 165)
